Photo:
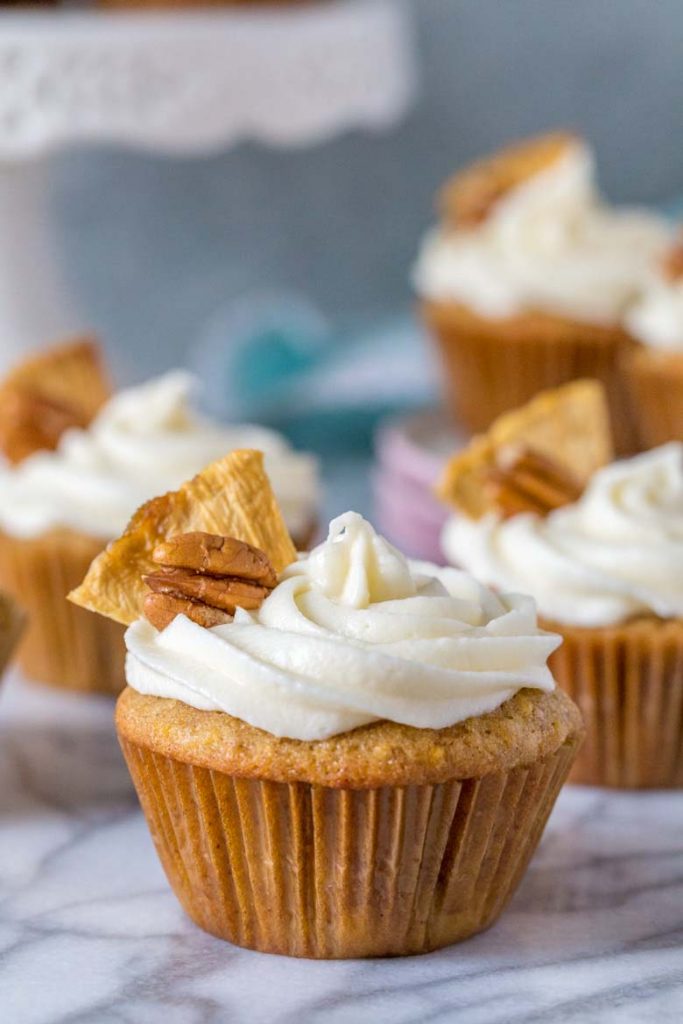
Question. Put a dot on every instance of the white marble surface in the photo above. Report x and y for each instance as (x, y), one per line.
(90, 932)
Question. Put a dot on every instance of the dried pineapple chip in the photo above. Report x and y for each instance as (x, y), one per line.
(232, 497)
(467, 198)
(568, 425)
(64, 386)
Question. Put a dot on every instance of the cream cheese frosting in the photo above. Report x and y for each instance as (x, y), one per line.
(656, 319)
(549, 245)
(146, 440)
(353, 633)
(614, 554)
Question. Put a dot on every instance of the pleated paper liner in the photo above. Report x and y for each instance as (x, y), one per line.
(63, 646)
(628, 682)
(12, 623)
(313, 871)
(491, 366)
(655, 380)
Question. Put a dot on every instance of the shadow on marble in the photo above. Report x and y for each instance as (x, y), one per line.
(62, 768)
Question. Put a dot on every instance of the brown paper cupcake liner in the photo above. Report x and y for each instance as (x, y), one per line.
(628, 682)
(12, 623)
(64, 646)
(655, 381)
(313, 871)
(491, 366)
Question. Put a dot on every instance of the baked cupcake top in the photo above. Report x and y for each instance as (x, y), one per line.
(145, 440)
(224, 617)
(527, 231)
(656, 319)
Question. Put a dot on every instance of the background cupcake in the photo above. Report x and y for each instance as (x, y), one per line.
(654, 367)
(363, 764)
(606, 570)
(525, 283)
(59, 508)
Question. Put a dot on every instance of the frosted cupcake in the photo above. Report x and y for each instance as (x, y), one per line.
(343, 755)
(59, 508)
(526, 281)
(654, 368)
(603, 558)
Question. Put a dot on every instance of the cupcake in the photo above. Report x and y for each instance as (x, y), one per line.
(59, 508)
(601, 552)
(344, 755)
(525, 282)
(654, 367)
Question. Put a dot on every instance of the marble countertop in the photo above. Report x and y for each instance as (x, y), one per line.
(90, 932)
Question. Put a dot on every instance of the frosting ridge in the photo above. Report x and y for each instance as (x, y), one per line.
(146, 440)
(353, 633)
(614, 554)
(551, 245)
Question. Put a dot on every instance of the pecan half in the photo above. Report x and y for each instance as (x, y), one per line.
(161, 610)
(220, 556)
(525, 480)
(206, 577)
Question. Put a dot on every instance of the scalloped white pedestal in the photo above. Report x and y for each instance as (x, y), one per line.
(178, 83)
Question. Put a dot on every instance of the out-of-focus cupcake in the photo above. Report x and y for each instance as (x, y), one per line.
(601, 551)
(59, 508)
(654, 367)
(525, 282)
(341, 756)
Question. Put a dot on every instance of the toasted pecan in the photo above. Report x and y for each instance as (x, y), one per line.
(220, 556)
(226, 593)
(525, 480)
(206, 577)
(161, 610)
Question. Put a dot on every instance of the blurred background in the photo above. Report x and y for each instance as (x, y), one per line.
(281, 273)
(154, 246)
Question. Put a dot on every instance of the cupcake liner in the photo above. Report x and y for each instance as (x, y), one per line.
(313, 871)
(628, 682)
(64, 646)
(12, 622)
(491, 366)
(655, 381)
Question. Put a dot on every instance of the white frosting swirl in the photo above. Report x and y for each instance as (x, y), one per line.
(614, 554)
(548, 245)
(352, 633)
(146, 440)
(657, 318)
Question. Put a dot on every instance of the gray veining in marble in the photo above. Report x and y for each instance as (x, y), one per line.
(89, 931)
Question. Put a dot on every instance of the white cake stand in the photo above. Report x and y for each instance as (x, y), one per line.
(177, 83)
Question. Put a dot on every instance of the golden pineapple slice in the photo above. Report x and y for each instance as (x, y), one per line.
(569, 426)
(231, 497)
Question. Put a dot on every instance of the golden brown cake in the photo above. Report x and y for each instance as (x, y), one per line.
(384, 841)
(605, 570)
(311, 787)
(525, 283)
